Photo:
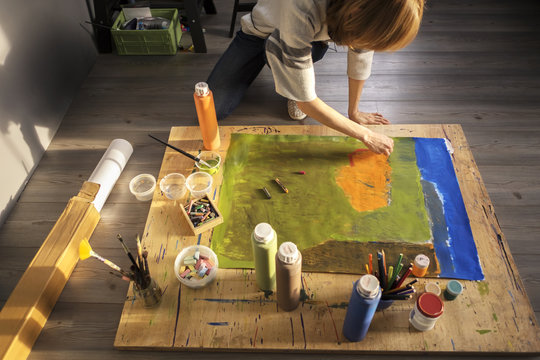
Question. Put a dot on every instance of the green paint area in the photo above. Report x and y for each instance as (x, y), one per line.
(316, 209)
(495, 317)
(483, 288)
(483, 331)
(212, 169)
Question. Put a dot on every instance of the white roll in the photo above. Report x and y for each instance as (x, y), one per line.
(109, 168)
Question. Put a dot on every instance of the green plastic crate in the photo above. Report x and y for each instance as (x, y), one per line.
(148, 42)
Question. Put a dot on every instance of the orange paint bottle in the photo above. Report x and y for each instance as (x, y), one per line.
(421, 264)
(206, 112)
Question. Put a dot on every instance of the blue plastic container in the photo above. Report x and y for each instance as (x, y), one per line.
(365, 297)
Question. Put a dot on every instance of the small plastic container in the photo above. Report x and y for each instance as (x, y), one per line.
(173, 186)
(453, 289)
(212, 158)
(427, 310)
(143, 186)
(199, 184)
(433, 288)
(420, 266)
(196, 282)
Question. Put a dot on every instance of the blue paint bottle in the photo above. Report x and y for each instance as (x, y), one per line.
(365, 298)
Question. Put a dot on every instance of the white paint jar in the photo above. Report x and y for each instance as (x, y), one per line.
(427, 310)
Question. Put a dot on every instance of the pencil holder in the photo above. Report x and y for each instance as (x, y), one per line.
(384, 304)
(150, 295)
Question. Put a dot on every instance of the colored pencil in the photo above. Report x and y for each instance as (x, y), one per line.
(381, 269)
(412, 282)
(396, 290)
(390, 274)
(405, 292)
(402, 279)
(396, 297)
(397, 269)
(371, 263)
(384, 267)
(367, 269)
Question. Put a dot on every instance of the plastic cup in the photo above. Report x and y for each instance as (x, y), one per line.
(143, 186)
(212, 158)
(173, 186)
(199, 184)
(196, 282)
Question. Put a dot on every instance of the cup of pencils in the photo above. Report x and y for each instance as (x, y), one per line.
(144, 287)
(392, 279)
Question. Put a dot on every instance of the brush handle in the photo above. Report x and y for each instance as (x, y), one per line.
(181, 151)
(106, 262)
(175, 148)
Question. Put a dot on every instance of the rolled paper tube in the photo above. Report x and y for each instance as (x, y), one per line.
(109, 168)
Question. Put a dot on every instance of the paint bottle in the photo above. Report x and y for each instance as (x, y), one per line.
(427, 309)
(264, 244)
(453, 289)
(206, 112)
(433, 288)
(420, 266)
(288, 276)
(365, 297)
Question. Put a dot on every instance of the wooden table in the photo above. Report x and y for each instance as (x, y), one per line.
(231, 314)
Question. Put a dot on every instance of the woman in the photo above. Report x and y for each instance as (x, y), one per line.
(289, 35)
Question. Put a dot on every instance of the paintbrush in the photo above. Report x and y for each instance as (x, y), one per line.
(139, 254)
(145, 257)
(182, 152)
(123, 277)
(85, 251)
(128, 253)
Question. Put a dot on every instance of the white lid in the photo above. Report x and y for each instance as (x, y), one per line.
(201, 88)
(263, 233)
(368, 286)
(421, 261)
(432, 288)
(288, 252)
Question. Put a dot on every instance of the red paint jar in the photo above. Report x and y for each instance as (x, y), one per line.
(427, 309)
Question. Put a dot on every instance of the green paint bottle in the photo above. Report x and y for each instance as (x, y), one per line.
(264, 243)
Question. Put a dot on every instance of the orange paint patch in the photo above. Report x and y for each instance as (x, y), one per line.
(366, 180)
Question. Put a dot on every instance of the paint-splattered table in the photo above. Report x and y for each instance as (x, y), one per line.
(231, 314)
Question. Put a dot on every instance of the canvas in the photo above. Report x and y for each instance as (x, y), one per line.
(344, 202)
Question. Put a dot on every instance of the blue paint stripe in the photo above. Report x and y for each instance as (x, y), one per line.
(218, 323)
(436, 166)
(199, 239)
(177, 315)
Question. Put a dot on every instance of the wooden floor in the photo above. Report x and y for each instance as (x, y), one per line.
(475, 62)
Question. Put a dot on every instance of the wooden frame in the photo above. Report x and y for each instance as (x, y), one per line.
(29, 305)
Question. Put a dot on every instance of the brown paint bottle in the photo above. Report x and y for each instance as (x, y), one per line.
(288, 276)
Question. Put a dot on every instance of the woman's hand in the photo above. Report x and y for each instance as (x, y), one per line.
(378, 143)
(363, 118)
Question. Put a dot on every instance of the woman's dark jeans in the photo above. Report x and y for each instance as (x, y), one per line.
(239, 66)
